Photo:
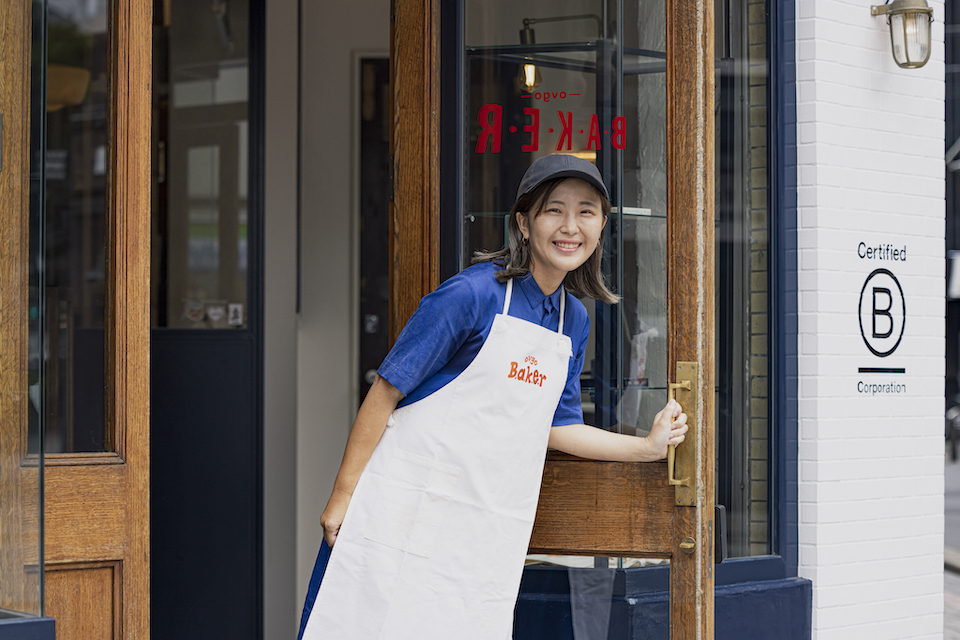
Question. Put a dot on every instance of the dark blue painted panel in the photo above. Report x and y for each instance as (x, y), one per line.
(783, 131)
(205, 482)
(765, 610)
(27, 629)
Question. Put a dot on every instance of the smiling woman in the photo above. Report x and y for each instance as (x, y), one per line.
(564, 232)
(443, 465)
(582, 275)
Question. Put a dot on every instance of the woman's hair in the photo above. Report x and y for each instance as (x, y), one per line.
(585, 280)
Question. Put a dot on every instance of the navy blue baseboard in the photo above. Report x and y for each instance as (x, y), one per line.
(776, 608)
(27, 629)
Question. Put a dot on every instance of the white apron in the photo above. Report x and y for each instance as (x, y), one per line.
(433, 543)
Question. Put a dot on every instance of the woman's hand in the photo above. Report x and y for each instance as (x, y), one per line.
(332, 516)
(367, 430)
(669, 428)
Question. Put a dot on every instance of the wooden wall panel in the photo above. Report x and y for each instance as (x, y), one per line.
(85, 599)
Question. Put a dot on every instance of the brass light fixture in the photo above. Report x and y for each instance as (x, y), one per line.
(528, 78)
(909, 22)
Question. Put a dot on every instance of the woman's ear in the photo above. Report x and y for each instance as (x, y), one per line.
(522, 223)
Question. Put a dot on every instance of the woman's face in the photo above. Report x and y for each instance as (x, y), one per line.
(565, 233)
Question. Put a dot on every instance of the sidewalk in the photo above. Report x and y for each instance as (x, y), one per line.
(951, 605)
(951, 551)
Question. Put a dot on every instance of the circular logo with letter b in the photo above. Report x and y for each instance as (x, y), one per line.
(883, 313)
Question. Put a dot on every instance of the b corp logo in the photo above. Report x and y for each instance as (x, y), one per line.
(883, 313)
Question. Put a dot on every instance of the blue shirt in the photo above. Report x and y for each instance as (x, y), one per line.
(446, 332)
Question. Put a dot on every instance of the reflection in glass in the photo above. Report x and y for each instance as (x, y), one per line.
(68, 226)
(743, 265)
(591, 598)
(199, 275)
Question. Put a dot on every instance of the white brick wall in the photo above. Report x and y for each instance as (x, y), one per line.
(870, 168)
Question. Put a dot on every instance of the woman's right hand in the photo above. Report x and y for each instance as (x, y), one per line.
(367, 430)
(332, 516)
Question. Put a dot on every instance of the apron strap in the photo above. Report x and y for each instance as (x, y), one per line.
(563, 303)
(506, 298)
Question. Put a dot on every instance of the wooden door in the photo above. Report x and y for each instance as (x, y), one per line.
(618, 509)
(96, 502)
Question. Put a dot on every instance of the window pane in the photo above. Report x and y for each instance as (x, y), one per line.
(743, 275)
(613, 66)
(199, 276)
(546, 78)
(68, 228)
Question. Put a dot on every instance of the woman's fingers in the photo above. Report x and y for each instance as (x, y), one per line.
(330, 535)
(679, 429)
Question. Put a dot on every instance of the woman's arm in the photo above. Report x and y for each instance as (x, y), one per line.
(367, 430)
(669, 427)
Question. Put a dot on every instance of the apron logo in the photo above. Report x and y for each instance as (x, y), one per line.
(526, 374)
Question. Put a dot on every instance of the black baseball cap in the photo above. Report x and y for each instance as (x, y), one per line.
(560, 165)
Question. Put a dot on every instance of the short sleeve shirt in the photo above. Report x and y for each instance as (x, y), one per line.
(446, 332)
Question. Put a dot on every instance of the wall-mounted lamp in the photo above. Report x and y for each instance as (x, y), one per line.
(909, 22)
(528, 78)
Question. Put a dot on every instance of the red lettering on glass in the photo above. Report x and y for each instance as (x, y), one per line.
(567, 131)
(619, 137)
(594, 135)
(489, 126)
(490, 118)
(533, 129)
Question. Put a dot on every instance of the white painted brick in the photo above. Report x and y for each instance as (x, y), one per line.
(870, 467)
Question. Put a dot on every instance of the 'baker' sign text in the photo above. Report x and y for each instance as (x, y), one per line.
(490, 118)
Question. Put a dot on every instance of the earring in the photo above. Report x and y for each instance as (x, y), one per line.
(526, 240)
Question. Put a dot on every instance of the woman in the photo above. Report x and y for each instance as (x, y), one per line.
(442, 467)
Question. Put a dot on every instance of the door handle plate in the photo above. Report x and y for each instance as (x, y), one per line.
(682, 461)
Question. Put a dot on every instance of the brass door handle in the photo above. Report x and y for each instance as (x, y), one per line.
(672, 449)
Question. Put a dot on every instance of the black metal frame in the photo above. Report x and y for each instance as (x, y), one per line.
(217, 342)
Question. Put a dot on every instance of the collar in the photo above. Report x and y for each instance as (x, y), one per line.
(535, 296)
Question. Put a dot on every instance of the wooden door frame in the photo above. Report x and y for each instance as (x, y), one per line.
(415, 148)
(690, 287)
(415, 215)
